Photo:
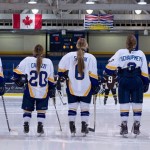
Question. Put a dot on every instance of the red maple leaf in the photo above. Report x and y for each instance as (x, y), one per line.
(27, 21)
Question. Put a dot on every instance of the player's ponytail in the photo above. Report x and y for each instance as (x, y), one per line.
(81, 46)
(38, 53)
(80, 58)
(131, 42)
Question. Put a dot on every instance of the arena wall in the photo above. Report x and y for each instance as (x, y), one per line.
(98, 43)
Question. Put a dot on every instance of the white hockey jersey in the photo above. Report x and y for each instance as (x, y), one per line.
(1, 69)
(79, 85)
(124, 59)
(37, 83)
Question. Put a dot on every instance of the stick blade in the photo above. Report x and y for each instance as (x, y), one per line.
(13, 132)
(91, 129)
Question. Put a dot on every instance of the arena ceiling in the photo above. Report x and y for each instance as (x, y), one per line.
(69, 14)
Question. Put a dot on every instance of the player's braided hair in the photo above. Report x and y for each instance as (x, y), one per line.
(131, 42)
(38, 53)
(81, 46)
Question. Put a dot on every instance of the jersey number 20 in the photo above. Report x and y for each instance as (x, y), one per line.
(42, 78)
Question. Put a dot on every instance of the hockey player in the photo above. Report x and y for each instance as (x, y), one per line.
(109, 84)
(40, 81)
(82, 82)
(2, 83)
(133, 81)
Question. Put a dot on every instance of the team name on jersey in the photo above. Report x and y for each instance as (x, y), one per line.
(75, 58)
(33, 65)
(131, 57)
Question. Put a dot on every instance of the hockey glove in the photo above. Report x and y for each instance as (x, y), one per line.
(2, 88)
(52, 92)
(62, 79)
(102, 91)
(54, 100)
(58, 85)
(145, 88)
(95, 89)
(20, 81)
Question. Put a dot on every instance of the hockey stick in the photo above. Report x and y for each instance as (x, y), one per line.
(57, 114)
(94, 101)
(6, 114)
(61, 97)
(7, 121)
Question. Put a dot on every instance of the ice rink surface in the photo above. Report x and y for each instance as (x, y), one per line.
(106, 136)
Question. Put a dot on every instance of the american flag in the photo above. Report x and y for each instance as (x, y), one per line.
(98, 21)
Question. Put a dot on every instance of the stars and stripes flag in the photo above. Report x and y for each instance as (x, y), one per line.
(98, 21)
(27, 21)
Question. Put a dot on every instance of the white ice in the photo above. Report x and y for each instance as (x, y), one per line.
(106, 136)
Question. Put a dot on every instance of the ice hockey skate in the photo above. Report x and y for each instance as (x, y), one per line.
(105, 100)
(136, 128)
(115, 101)
(124, 129)
(26, 127)
(40, 129)
(84, 128)
(72, 128)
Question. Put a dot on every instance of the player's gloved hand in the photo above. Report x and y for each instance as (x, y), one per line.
(95, 89)
(117, 84)
(58, 85)
(54, 100)
(103, 86)
(52, 92)
(62, 79)
(20, 80)
(102, 91)
(145, 88)
(2, 88)
(59, 92)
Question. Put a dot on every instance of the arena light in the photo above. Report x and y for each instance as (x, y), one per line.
(145, 32)
(142, 2)
(89, 11)
(34, 11)
(32, 2)
(63, 32)
(138, 12)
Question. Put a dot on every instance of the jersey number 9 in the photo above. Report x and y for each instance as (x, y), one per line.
(110, 79)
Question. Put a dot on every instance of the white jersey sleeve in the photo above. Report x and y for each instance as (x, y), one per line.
(1, 69)
(20, 69)
(144, 67)
(64, 63)
(51, 75)
(93, 68)
(149, 68)
(0, 63)
(113, 62)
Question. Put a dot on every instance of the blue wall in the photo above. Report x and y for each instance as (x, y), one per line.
(11, 62)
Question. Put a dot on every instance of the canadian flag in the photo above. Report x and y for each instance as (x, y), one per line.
(27, 21)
